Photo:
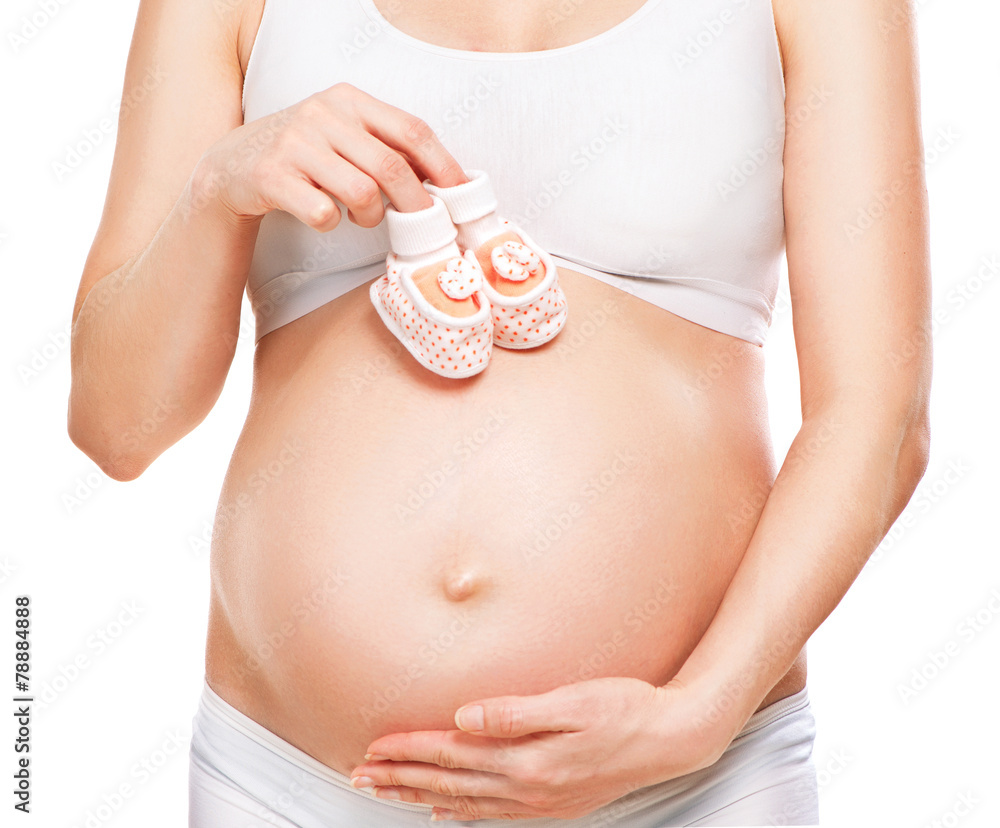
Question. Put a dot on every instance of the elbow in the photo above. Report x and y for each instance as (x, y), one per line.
(122, 468)
(912, 456)
(915, 441)
(915, 450)
(118, 461)
(902, 417)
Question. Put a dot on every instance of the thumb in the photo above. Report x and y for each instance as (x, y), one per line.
(512, 716)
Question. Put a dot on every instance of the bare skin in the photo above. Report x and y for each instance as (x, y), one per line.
(430, 598)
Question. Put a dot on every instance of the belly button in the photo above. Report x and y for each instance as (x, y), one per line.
(461, 586)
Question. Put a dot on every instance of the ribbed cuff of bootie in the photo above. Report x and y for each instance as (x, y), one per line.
(422, 231)
(469, 201)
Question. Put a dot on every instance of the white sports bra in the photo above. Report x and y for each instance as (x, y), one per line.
(648, 156)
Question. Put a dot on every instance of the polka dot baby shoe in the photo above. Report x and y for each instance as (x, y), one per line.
(535, 317)
(522, 318)
(451, 346)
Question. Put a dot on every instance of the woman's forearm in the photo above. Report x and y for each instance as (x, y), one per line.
(848, 474)
(152, 341)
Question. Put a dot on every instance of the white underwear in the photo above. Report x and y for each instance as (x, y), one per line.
(244, 776)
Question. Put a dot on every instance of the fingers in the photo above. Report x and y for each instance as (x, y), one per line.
(357, 191)
(449, 749)
(445, 814)
(387, 167)
(414, 138)
(303, 200)
(340, 144)
(465, 791)
(431, 780)
(513, 716)
(464, 807)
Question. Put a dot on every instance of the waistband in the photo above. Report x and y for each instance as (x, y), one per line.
(215, 707)
(221, 709)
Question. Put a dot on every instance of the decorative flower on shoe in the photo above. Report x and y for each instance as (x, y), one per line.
(461, 278)
(515, 261)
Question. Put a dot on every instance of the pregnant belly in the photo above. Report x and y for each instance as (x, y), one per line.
(390, 544)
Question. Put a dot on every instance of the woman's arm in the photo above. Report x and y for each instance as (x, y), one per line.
(858, 262)
(157, 314)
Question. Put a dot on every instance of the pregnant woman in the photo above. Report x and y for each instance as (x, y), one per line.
(574, 588)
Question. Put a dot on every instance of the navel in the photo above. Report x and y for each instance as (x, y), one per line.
(461, 585)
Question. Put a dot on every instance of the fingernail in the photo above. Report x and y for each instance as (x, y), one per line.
(374, 757)
(440, 815)
(471, 718)
(386, 793)
(362, 781)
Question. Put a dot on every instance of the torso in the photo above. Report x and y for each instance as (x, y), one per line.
(416, 542)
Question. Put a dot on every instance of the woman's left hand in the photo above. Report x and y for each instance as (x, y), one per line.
(559, 754)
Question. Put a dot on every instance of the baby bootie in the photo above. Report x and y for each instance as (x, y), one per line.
(452, 346)
(522, 318)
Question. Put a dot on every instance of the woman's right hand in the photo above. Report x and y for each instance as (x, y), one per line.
(341, 142)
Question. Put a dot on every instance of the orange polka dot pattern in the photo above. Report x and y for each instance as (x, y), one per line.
(451, 350)
(528, 325)
(531, 325)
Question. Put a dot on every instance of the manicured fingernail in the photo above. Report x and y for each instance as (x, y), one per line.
(470, 718)
(374, 757)
(362, 781)
(386, 793)
(439, 815)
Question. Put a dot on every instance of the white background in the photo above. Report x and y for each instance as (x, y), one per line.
(86, 547)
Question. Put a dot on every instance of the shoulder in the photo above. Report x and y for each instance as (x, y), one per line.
(817, 31)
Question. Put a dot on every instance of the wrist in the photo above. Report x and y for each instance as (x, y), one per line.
(737, 662)
(718, 705)
(687, 732)
(725, 689)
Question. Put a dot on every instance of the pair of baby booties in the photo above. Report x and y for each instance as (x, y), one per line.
(460, 221)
